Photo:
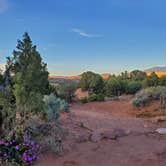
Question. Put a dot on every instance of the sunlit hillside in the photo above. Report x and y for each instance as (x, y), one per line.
(160, 74)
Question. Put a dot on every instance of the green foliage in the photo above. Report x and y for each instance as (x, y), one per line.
(92, 97)
(125, 75)
(152, 80)
(7, 110)
(133, 87)
(96, 97)
(145, 96)
(30, 76)
(66, 91)
(53, 107)
(18, 149)
(138, 75)
(84, 100)
(92, 82)
(162, 81)
(52, 89)
(115, 86)
(100, 97)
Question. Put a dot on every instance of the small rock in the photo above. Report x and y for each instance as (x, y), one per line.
(120, 133)
(161, 130)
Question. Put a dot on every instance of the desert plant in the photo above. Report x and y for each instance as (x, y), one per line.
(66, 91)
(138, 75)
(30, 76)
(144, 96)
(92, 97)
(152, 80)
(92, 82)
(96, 97)
(48, 134)
(84, 100)
(18, 149)
(133, 87)
(53, 107)
(100, 97)
(115, 86)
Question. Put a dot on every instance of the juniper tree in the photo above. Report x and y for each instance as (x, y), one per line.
(30, 76)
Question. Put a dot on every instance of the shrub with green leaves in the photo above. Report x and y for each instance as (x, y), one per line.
(92, 82)
(145, 96)
(133, 87)
(115, 86)
(66, 90)
(96, 97)
(53, 107)
(84, 100)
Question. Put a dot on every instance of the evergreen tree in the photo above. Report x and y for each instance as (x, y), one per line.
(30, 76)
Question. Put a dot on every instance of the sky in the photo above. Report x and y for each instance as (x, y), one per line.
(73, 36)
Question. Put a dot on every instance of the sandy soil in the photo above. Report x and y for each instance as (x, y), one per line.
(141, 147)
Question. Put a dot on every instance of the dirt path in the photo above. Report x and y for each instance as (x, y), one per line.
(141, 147)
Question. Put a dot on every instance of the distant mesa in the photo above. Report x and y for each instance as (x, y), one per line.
(159, 70)
(156, 69)
(77, 77)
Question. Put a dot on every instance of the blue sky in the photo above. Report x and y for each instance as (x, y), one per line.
(78, 35)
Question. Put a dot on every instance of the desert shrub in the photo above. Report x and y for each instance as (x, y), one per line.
(133, 87)
(48, 134)
(100, 97)
(138, 75)
(162, 81)
(53, 107)
(115, 86)
(18, 149)
(96, 97)
(52, 89)
(66, 90)
(92, 82)
(92, 97)
(84, 100)
(152, 80)
(144, 96)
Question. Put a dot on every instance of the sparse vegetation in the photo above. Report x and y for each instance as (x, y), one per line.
(29, 100)
(92, 82)
(67, 90)
(25, 92)
(53, 107)
(145, 96)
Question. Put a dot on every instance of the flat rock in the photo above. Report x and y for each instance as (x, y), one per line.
(161, 130)
(108, 134)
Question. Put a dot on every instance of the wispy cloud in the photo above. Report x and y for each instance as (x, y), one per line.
(4, 5)
(85, 34)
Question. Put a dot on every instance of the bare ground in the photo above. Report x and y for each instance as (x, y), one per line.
(140, 147)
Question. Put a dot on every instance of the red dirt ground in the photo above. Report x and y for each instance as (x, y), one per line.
(142, 147)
